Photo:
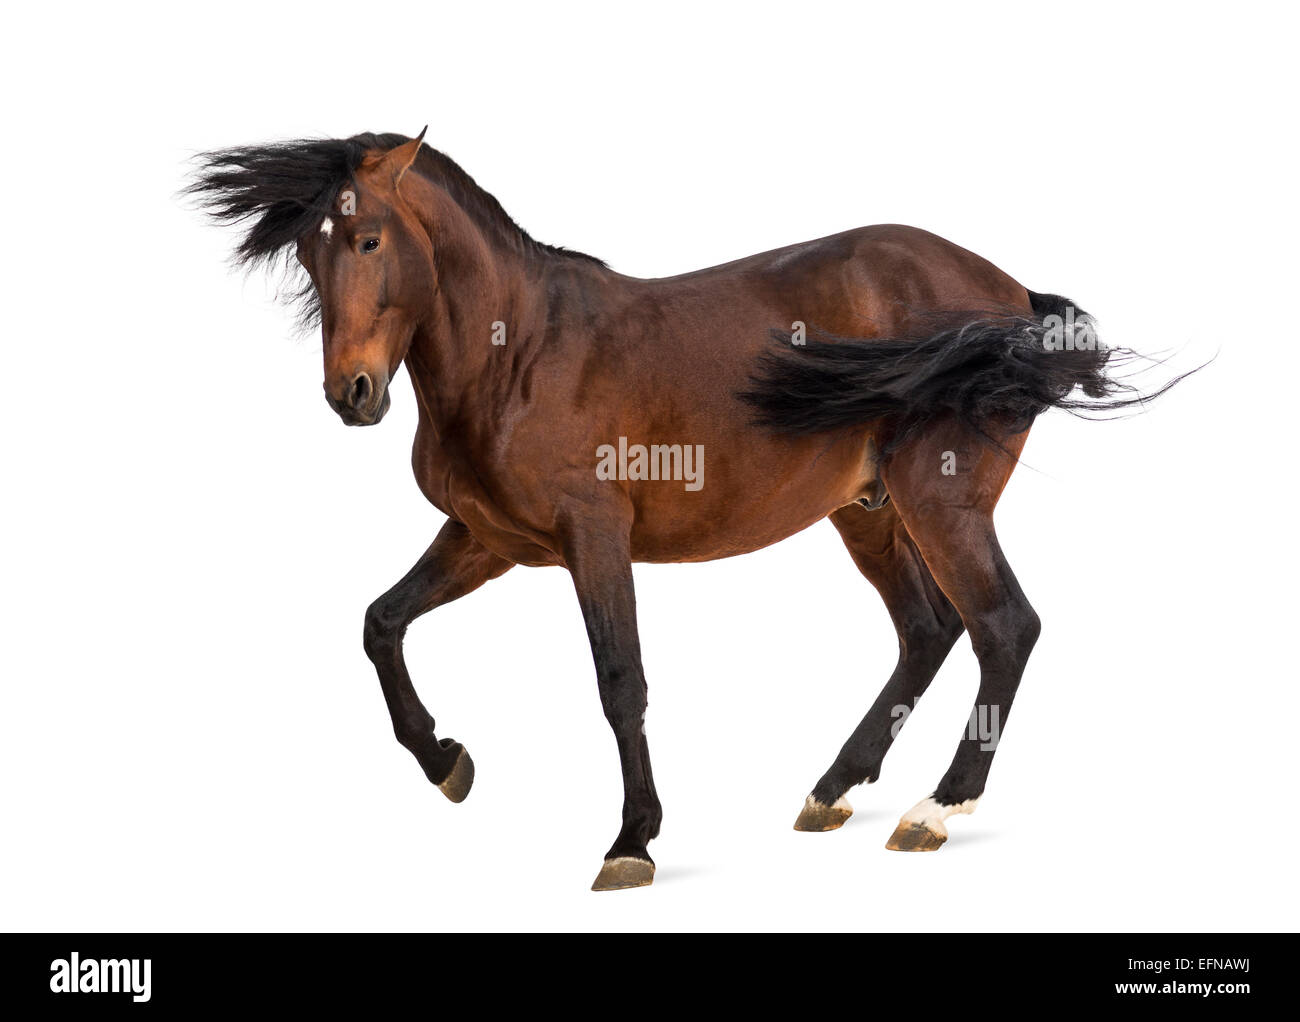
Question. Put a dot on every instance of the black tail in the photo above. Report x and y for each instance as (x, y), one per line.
(995, 373)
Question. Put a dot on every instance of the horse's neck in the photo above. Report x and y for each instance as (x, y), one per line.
(488, 307)
(493, 307)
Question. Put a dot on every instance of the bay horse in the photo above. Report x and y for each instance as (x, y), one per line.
(883, 378)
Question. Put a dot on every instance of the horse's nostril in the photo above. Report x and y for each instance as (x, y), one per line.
(361, 390)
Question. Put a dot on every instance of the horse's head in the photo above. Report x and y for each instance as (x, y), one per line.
(371, 263)
(339, 206)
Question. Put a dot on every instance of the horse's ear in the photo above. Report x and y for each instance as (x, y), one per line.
(399, 160)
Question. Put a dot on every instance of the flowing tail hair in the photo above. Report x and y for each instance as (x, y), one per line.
(994, 372)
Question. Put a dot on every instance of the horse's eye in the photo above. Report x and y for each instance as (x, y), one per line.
(370, 244)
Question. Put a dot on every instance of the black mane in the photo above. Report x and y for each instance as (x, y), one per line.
(282, 191)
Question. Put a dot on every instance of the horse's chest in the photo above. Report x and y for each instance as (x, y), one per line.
(459, 495)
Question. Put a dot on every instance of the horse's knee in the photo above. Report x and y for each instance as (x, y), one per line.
(1032, 626)
(383, 629)
(1025, 628)
(1010, 630)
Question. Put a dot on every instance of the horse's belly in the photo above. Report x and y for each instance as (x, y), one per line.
(709, 540)
(746, 507)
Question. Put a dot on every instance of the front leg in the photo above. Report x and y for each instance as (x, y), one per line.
(454, 565)
(599, 558)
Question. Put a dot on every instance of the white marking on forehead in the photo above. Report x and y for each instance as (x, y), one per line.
(327, 227)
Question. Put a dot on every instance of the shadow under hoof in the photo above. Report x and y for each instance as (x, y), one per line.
(819, 818)
(457, 783)
(624, 872)
(913, 837)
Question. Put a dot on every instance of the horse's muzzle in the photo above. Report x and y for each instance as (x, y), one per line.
(363, 401)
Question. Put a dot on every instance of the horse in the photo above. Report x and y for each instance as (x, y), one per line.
(883, 378)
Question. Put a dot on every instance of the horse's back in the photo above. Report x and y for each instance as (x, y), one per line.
(863, 282)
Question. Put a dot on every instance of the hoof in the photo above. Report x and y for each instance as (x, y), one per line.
(623, 872)
(456, 784)
(915, 837)
(921, 829)
(817, 817)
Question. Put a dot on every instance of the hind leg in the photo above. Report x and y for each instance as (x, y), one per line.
(950, 516)
(927, 626)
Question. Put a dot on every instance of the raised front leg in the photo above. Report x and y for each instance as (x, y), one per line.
(601, 565)
(455, 564)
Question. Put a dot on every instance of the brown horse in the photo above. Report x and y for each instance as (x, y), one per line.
(570, 415)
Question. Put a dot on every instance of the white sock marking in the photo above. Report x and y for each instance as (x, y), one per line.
(930, 814)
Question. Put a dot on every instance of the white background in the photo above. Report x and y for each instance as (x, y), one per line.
(191, 736)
